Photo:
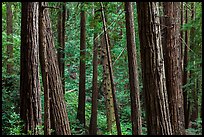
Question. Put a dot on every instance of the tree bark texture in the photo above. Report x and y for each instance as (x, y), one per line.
(9, 32)
(93, 121)
(181, 35)
(110, 114)
(172, 66)
(30, 104)
(44, 70)
(48, 52)
(107, 43)
(82, 75)
(153, 72)
(133, 73)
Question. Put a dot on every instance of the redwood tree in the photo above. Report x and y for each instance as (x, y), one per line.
(48, 59)
(93, 121)
(153, 73)
(172, 66)
(185, 73)
(82, 75)
(133, 73)
(107, 44)
(30, 104)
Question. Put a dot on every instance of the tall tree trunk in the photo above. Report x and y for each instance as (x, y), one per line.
(172, 66)
(61, 41)
(45, 79)
(185, 73)
(47, 52)
(110, 71)
(195, 89)
(110, 113)
(9, 31)
(153, 73)
(133, 74)
(30, 105)
(181, 36)
(82, 75)
(93, 121)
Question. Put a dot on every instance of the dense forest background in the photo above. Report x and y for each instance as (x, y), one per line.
(102, 68)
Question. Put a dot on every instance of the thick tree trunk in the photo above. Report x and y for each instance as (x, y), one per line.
(153, 73)
(110, 71)
(47, 52)
(82, 75)
(93, 121)
(133, 74)
(61, 41)
(9, 31)
(172, 66)
(30, 105)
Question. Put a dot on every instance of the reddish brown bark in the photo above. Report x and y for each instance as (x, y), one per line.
(58, 112)
(82, 75)
(30, 105)
(172, 66)
(133, 73)
(181, 35)
(93, 121)
(153, 72)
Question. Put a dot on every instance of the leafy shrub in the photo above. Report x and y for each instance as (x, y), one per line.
(11, 123)
(197, 130)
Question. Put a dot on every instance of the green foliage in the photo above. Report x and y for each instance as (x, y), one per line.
(194, 67)
(197, 130)
(11, 123)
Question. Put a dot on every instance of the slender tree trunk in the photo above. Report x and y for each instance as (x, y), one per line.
(44, 70)
(107, 88)
(61, 41)
(111, 72)
(181, 35)
(93, 121)
(82, 76)
(30, 105)
(153, 73)
(9, 31)
(185, 73)
(47, 52)
(172, 66)
(133, 74)
(195, 89)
